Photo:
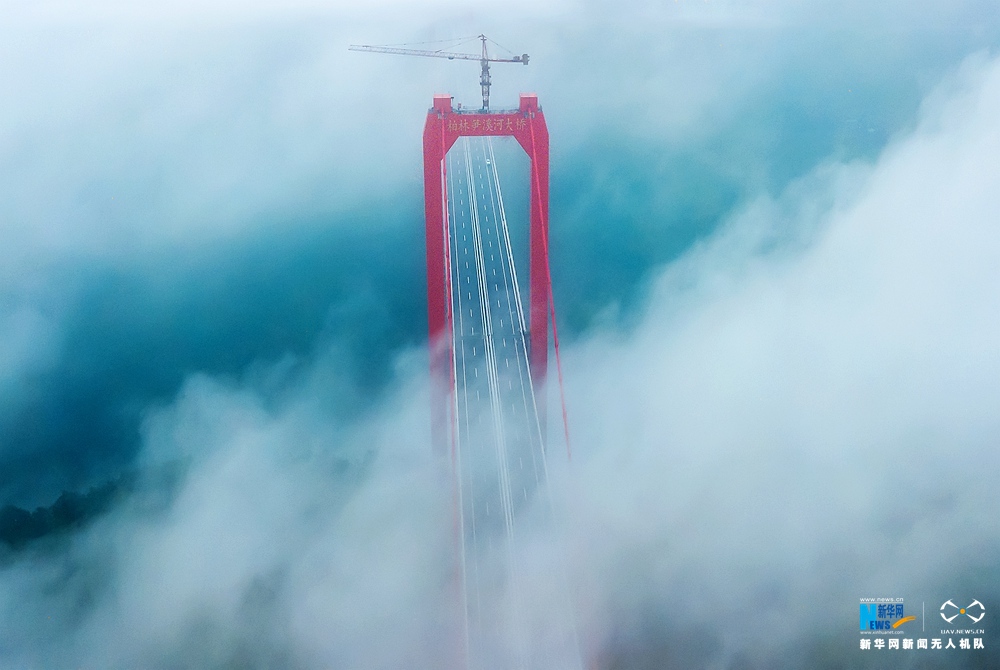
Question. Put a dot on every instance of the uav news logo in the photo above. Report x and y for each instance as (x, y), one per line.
(974, 610)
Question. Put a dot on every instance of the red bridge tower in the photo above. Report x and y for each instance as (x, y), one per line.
(443, 127)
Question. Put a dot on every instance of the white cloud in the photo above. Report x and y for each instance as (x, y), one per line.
(820, 376)
(784, 414)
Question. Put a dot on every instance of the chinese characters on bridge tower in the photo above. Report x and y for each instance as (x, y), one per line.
(487, 123)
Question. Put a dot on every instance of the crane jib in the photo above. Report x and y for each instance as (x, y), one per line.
(484, 58)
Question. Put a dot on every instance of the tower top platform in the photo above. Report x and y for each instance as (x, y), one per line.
(528, 104)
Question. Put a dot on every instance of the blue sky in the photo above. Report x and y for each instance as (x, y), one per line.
(213, 256)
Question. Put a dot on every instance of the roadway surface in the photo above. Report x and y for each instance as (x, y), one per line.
(499, 445)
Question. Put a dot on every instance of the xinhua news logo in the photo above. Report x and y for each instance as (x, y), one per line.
(883, 616)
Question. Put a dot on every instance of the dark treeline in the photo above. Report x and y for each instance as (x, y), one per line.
(19, 526)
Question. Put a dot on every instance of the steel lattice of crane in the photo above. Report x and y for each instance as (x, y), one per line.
(484, 59)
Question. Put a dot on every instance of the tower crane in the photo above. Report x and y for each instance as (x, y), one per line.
(484, 60)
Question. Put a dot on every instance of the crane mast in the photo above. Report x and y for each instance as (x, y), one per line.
(484, 78)
(484, 58)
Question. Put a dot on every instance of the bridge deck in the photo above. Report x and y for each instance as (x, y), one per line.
(499, 438)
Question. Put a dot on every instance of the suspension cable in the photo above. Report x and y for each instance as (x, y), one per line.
(552, 302)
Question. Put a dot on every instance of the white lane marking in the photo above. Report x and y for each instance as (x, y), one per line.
(499, 441)
(457, 443)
